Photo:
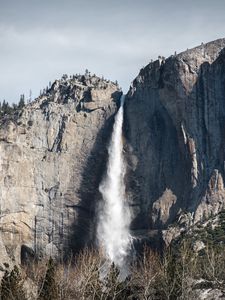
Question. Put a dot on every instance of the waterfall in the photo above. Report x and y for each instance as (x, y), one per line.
(114, 216)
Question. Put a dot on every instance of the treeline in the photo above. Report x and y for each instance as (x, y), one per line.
(7, 109)
(182, 275)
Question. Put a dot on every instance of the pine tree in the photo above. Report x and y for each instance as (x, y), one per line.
(21, 102)
(5, 108)
(49, 290)
(5, 286)
(12, 286)
(115, 288)
(1, 111)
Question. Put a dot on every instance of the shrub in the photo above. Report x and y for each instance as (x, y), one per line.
(12, 285)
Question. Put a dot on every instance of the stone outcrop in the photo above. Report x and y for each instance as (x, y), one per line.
(51, 162)
(175, 137)
(54, 152)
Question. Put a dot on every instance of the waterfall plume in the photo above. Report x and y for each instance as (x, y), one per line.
(114, 216)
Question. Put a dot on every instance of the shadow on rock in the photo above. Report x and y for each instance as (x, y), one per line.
(83, 230)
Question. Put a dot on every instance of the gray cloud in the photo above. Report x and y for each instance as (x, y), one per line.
(41, 40)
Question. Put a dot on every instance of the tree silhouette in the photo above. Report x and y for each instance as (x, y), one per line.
(49, 290)
(21, 102)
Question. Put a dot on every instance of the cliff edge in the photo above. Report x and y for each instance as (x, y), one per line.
(174, 129)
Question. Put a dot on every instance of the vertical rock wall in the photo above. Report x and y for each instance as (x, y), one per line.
(51, 162)
(174, 129)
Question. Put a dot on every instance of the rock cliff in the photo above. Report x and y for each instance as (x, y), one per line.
(51, 161)
(175, 135)
(54, 152)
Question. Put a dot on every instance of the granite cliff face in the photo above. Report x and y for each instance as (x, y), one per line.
(53, 155)
(51, 162)
(175, 138)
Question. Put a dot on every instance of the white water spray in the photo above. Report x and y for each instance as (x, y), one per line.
(114, 218)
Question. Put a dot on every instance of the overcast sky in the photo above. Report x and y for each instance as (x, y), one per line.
(42, 39)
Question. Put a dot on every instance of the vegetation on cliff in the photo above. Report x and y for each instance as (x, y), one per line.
(9, 110)
(184, 274)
